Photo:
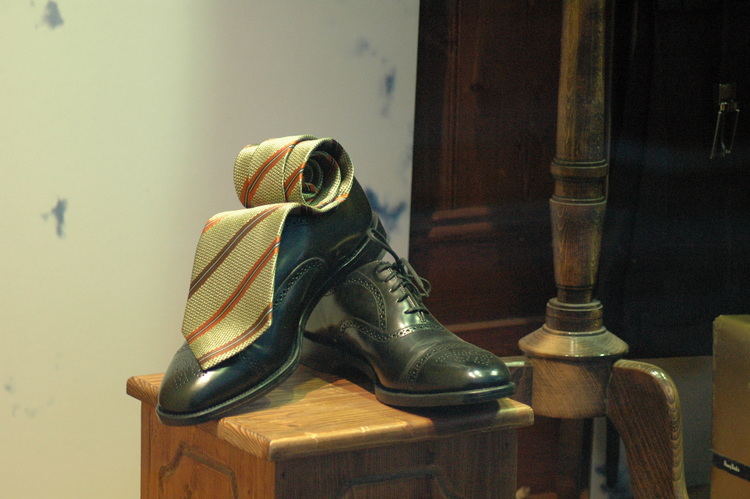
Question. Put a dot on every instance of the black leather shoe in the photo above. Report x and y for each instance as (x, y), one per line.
(315, 252)
(375, 321)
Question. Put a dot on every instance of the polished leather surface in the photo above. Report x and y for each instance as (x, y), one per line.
(314, 252)
(376, 321)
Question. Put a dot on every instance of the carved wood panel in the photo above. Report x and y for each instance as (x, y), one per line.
(189, 462)
(477, 465)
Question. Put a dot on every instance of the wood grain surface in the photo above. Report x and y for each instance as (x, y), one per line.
(644, 406)
(312, 413)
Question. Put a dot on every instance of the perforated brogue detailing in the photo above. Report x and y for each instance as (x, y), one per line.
(465, 354)
(358, 280)
(412, 329)
(416, 368)
(379, 335)
(184, 368)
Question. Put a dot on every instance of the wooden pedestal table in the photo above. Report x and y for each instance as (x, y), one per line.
(322, 436)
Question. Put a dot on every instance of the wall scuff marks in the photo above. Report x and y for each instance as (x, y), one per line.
(58, 212)
(52, 16)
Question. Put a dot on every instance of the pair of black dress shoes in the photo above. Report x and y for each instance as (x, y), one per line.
(334, 295)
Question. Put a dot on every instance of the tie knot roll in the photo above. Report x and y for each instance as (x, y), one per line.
(316, 173)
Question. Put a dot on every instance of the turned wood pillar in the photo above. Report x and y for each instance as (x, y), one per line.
(573, 352)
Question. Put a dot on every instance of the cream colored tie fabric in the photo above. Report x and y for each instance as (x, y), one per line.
(231, 290)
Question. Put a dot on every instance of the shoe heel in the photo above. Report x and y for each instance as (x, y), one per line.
(330, 360)
(322, 357)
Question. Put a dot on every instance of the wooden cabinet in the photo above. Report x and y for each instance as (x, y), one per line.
(486, 103)
(319, 436)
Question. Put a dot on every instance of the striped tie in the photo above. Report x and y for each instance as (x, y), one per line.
(231, 290)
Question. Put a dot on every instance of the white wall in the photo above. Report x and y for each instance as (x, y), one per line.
(127, 117)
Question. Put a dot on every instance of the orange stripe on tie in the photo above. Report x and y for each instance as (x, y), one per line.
(204, 274)
(250, 187)
(260, 323)
(293, 180)
(238, 293)
(333, 166)
(211, 222)
(336, 199)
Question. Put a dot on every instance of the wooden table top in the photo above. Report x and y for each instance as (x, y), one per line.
(313, 413)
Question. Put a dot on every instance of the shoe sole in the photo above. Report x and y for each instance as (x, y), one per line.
(331, 360)
(365, 252)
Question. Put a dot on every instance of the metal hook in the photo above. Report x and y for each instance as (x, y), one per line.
(729, 111)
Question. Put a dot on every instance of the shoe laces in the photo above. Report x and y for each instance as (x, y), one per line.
(406, 278)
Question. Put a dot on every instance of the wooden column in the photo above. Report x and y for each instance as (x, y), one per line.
(573, 352)
(574, 359)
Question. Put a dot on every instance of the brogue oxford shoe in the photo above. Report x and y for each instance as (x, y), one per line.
(375, 320)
